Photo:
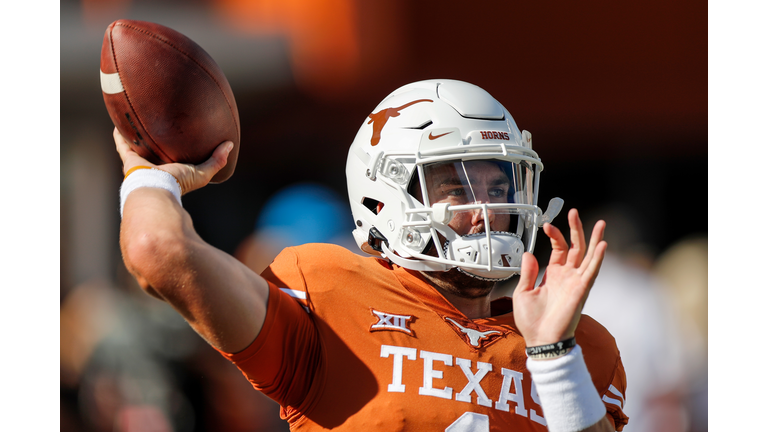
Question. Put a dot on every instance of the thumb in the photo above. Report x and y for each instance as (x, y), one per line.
(529, 271)
(217, 161)
(193, 177)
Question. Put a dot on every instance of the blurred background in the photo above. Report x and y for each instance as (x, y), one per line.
(614, 93)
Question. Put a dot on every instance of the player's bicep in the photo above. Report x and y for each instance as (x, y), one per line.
(221, 298)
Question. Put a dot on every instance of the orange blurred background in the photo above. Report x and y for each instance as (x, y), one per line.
(614, 93)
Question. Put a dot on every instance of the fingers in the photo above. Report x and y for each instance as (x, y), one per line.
(529, 271)
(593, 268)
(129, 157)
(121, 144)
(576, 253)
(593, 260)
(597, 236)
(559, 245)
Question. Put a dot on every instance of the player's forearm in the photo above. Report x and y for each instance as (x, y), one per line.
(566, 392)
(221, 298)
(153, 238)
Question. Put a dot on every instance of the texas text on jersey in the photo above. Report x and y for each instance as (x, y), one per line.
(363, 345)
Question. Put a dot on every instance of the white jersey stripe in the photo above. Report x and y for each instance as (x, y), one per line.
(110, 83)
(612, 401)
(295, 294)
(617, 393)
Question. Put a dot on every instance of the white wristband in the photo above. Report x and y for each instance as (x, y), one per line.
(149, 178)
(568, 397)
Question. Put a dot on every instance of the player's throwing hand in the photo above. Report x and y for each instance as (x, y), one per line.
(190, 177)
(550, 312)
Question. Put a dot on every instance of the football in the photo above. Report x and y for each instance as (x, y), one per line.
(167, 96)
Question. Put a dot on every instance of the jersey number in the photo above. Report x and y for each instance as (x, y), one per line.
(470, 422)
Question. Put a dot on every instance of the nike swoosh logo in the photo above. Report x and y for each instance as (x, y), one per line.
(433, 137)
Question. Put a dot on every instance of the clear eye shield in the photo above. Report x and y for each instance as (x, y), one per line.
(477, 202)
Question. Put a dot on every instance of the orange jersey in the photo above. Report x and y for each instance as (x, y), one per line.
(354, 343)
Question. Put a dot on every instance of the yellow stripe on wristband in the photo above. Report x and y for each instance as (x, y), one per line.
(137, 167)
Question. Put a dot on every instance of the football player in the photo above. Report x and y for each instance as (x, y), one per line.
(443, 189)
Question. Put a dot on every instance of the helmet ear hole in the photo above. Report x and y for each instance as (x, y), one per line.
(373, 205)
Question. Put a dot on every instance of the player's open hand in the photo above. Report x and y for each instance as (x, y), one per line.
(190, 176)
(550, 312)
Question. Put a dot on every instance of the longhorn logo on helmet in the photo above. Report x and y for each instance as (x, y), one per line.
(380, 118)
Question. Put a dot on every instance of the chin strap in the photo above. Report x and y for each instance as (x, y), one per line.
(419, 265)
(485, 278)
(422, 265)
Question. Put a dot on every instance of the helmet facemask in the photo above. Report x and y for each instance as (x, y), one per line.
(477, 210)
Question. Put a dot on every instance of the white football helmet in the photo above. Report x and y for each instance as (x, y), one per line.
(433, 159)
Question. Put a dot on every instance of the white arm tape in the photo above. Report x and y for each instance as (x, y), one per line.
(568, 397)
(149, 178)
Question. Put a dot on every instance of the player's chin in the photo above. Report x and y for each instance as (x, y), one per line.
(464, 285)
